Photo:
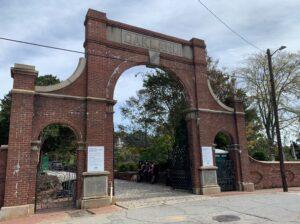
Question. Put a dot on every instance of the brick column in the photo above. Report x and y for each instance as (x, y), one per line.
(110, 142)
(242, 141)
(99, 129)
(34, 163)
(235, 156)
(3, 156)
(81, 167)
(18, 180)
(193, 147)
(207, 175)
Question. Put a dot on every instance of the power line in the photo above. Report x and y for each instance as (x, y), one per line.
(92, 54)
(228, 27)
(41, 45)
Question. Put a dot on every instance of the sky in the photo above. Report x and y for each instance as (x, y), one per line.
(267, 24)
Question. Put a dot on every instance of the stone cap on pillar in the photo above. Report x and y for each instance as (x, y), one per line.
(208, 168)
(198, 43)
(24, 77)
(96, 173)
(95, 14)
(238, 104)
(23, 70)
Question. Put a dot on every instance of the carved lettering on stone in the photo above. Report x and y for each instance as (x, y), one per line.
(151, 43)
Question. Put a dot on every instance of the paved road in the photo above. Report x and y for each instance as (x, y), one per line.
(159, 204)
(280, 208)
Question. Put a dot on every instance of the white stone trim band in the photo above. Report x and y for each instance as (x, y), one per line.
(219, 111)
(216, 98)
(62, 96)
(78, 71)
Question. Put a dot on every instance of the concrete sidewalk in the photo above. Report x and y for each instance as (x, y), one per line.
(266, 206)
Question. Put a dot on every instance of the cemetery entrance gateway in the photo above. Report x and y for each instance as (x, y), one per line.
(85, 103)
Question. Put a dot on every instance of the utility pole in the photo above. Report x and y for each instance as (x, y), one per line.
(275, 109)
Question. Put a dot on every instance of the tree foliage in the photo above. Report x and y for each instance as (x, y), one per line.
(59, 144)
(255, 73)
(154, 118)
(158, 106)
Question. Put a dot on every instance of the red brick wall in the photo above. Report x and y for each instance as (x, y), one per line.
(86, 106)
(267, 174)
(3, 156)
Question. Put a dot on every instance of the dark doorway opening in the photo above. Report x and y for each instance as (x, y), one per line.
(225, 171)
(57, 169)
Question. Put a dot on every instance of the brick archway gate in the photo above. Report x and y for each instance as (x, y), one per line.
(85, 103)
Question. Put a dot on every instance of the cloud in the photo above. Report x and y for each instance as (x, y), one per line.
(268, 24)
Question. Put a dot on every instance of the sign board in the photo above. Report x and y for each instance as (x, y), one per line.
(139, 40)
(95, 160)
(207, 156)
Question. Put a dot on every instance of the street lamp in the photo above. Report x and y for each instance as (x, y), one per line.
(275, 108)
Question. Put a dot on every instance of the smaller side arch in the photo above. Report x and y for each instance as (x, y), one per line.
(224, 137)
(39, 130)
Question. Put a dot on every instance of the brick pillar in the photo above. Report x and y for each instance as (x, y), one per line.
(242, 141)
(3, 156)
(110, 142)
(99, 130)
(235, 156)
(34, 162)
(81, 167)
(18, 180)
(207, 175)
(193, 147)
(99, 122)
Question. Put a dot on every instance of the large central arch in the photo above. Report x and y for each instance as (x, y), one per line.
(85, 103)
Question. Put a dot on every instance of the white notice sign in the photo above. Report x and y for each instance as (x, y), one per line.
(207, 156)
(95, 161)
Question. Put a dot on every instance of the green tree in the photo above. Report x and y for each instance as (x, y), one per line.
(155, 116)
(59, 143)
(5, 105)
(255, 73)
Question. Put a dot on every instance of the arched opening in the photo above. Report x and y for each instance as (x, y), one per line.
(223, 140)
(57, 169)
(226, 170)
(151, 151)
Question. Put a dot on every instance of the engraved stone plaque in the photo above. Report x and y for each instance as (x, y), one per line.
(151, 43)
(127, 37)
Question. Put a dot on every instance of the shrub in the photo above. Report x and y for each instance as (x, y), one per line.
(127, 167)
(260, 155)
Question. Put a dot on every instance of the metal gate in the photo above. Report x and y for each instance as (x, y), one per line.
(56, 186)
(180, 169)
(225, 172)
